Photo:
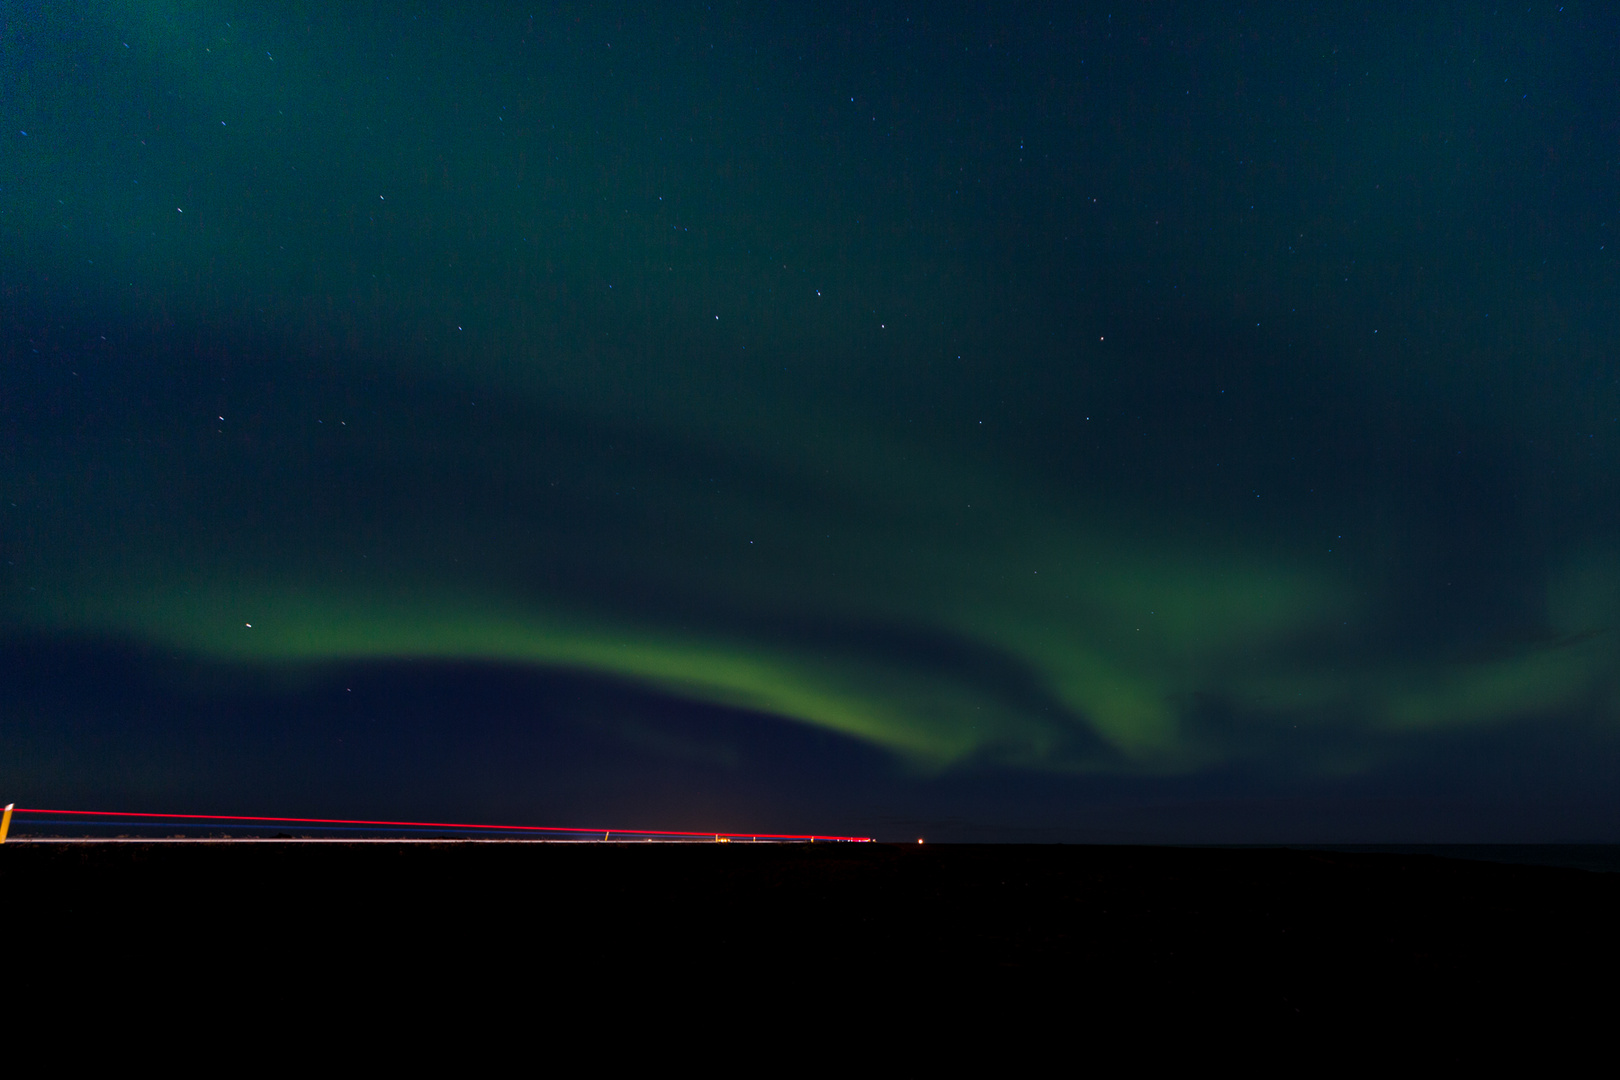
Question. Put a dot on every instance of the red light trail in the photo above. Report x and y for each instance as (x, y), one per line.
(183, 819)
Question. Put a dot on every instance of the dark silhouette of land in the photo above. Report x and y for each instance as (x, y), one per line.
(1296, 937)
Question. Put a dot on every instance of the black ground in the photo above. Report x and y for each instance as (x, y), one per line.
(1084, 934)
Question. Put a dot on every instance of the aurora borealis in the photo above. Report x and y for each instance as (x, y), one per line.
(1068, 397)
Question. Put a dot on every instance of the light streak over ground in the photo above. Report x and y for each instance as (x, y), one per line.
(150, 820)
(364, 840)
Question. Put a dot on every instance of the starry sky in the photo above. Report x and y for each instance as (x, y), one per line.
(1072, 421)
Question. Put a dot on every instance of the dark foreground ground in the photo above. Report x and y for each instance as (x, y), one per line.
(1071, 935)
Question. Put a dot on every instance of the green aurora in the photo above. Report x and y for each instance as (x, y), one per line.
(844, 380)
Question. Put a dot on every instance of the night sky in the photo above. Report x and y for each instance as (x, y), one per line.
(1146, 421)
